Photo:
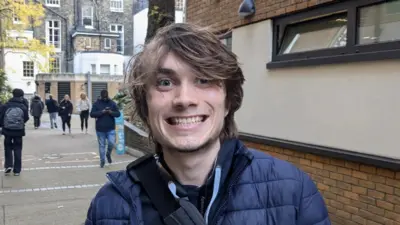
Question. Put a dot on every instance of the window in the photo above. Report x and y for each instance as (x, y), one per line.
(87, 16)
(118, 28)
(53, 33)
(88, 42)
(115, 69)
(116, 5)
(53, 3)
(28, 69)
(93, 68)
(179, 5)
(104, 69)
(226, 39)
(54, 64)
(337, 33)
(107, 43)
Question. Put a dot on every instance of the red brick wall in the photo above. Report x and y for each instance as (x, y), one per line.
(354, 193)
(223, 14)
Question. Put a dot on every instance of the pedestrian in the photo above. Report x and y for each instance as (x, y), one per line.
(83, 107)
(13, 116)
(52, 109)
(186, 87)
(36, 110)
(65, 110)
(105, 111)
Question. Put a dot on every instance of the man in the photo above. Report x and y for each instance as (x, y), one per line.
(36, 110)
(105, 111)
(13, 116)
(52, 109)
(186, 87)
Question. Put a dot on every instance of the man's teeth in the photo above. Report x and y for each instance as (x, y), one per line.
(187, 120)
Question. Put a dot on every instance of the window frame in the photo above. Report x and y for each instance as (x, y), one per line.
(352, 52)
(121, 36)
(114, 9)
(51, 4)
(105, 43)
(91, 16)
(57, 60)
(59, 34)
(25, 68)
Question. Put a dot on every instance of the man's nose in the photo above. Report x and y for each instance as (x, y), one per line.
(185, 96)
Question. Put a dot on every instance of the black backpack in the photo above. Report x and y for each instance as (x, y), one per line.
(14, 118)
(173, 211)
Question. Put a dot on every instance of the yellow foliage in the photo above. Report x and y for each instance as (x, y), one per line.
(18, 16)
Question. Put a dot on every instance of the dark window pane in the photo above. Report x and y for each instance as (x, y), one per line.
(321, 33)
(379, 23)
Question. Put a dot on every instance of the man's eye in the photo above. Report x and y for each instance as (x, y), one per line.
(164, 82)
(203, 81)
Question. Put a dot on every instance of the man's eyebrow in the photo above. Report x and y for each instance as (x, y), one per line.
(166, 71)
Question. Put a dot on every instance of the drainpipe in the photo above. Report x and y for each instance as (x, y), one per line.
(89, 86)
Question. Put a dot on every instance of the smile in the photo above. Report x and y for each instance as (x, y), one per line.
(186, 120)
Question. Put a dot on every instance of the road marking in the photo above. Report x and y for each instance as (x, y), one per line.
(50, 188)
(68, 167)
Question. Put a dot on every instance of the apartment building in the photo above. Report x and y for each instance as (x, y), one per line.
(89, 36)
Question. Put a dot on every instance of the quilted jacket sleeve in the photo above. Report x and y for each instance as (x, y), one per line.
(89, 218)
(312, 210)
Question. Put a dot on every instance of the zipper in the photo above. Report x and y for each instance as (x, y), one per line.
(202, 201)
(226, 197)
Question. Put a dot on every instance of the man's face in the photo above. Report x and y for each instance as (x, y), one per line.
(186, 113)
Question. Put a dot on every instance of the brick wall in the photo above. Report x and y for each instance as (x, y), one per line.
(354, 193)
(223, 14)
(97, 44)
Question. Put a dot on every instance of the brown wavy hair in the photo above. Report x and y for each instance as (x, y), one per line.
(204, 52)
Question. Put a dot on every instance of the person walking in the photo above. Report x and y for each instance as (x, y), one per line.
(52, 109)
(105, 111)
(36, 109)
(83, 107)
(13, 116)
(65, 112)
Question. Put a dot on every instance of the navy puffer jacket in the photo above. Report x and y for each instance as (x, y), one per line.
(266, 191)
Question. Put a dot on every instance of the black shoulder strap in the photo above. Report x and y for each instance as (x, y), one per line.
(173, 211)
(145, 168)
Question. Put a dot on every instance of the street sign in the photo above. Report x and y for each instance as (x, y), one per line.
(120, 137)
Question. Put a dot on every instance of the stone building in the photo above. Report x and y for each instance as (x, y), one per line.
(94, 37)
(322, 92)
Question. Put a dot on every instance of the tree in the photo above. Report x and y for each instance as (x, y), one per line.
(20, 15)
(160, 14)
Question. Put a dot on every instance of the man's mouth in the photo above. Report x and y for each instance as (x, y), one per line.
(186, 120)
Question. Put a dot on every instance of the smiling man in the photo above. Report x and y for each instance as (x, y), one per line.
(186, 87)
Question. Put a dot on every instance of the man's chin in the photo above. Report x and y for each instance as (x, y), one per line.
(188, 145)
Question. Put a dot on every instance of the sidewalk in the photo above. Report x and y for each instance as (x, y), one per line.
(60, 176)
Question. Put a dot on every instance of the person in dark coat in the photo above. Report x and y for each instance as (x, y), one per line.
(13, 116)
(36, 109)
(188, 99)
(65, 110)
(52, 109)
(105, 111)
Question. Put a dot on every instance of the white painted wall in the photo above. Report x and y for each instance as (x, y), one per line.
(84, 60)
(140, 27)
(354, 106)
(14, 65)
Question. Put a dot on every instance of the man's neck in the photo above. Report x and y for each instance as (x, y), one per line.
(192, 168)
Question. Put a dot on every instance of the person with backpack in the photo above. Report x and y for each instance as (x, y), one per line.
(13, 116)
(36, 110)
(186, 86)
(65, 112)
(52, 109)
(83, 107)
